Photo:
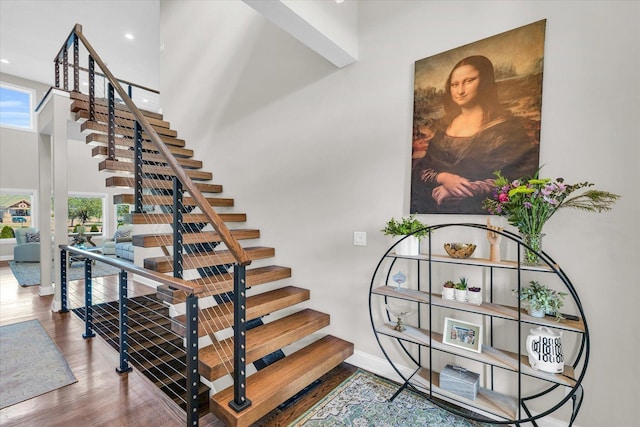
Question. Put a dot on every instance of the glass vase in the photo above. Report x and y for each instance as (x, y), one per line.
(534, 241)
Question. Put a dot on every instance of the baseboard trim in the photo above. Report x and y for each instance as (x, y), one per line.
(384, 369)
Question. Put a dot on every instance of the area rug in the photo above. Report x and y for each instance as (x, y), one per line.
(363, 400)
(30, 363)
(28, 273)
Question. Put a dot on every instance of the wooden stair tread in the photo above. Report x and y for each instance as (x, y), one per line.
(216, 360)
(129, 199)
(273, 385)
(166, 239)
(122, 107)
(161, 184)
(116, 166)
(217, 318)
(164, 264)
(185, 162)
(124, 123)
(102, 139)
(137, 218)
(81, 108)
(222, 283)
(100, 127)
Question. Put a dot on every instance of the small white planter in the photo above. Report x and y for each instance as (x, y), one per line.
(536, 313)
(409, 246)
(461, 295)
(448, 294)
(474, 297)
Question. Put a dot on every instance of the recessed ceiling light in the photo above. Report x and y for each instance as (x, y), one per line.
(129, 36)
(4, 61)
(145, 100)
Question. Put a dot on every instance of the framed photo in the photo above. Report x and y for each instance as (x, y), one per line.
(462, 334)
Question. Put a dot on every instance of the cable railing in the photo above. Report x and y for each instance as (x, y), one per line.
(198, 248)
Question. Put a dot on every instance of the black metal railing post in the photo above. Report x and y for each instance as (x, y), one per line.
(240, 401)
(137, 159)
(57, 73)
(63, 282)
(111, 125)
(65, 69)
(193, 377)
(178, 210)
(92, 89)
(76, 64)
(88, 309)
(124, 326)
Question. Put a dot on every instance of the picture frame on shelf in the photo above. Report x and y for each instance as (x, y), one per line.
(466, 335)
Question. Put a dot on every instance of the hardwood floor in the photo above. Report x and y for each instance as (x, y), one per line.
(101, 397)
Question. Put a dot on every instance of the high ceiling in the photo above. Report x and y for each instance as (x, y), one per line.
(32, 33)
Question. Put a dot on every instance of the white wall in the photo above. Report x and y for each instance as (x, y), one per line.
(313, 153)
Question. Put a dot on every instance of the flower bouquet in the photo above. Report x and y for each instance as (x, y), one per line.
(528, 203)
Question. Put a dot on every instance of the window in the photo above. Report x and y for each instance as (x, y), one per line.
(87, 210)
(16, 107)
(16, 211)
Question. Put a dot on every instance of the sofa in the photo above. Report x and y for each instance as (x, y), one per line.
(27, 247)
(120, 244)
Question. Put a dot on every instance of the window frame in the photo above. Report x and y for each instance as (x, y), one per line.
(32, 117)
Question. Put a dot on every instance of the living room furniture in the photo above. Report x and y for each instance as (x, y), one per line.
(121, 235)
(509, 382)
(27, 247)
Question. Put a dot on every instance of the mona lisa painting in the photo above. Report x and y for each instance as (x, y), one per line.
(476, 111)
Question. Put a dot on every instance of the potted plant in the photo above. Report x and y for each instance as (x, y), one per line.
(461, 290)
(474, 295)
(541, 300)
(448, 290)
(412, 228)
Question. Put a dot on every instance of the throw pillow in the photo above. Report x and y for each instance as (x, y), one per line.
(33, 237)
(121, 234)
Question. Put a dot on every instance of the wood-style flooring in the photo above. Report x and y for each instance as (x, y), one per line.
(102, 397)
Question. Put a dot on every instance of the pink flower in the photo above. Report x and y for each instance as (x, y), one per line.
(503, 198)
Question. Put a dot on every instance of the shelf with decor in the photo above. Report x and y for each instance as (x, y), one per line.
(421, 342)
(486, 308)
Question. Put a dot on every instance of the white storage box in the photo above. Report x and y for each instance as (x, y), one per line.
(460, 381)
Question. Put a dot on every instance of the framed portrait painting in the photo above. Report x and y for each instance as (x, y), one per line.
(476, 111)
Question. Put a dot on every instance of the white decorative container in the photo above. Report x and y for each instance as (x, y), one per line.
(448, 294)
(544, 347)
(461, 295)
(408, 246)
(474, 297)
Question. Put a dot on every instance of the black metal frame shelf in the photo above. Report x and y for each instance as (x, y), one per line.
(499, 407)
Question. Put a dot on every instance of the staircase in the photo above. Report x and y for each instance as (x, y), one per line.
(274, 382)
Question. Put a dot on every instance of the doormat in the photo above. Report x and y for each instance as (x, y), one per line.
(363, 400)
(30, 363)
(28, 273)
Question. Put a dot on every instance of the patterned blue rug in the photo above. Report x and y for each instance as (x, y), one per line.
(30, 363)
(28, 273)
(362, 400)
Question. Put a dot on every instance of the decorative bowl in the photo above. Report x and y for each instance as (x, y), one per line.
(459, 250)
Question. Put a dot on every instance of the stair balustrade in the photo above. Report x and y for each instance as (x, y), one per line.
(202, 270)
(201, 255)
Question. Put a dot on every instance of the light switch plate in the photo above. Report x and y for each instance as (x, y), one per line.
(360, 238)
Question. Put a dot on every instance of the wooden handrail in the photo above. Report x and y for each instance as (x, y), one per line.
(183, 285)
(232, 244)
